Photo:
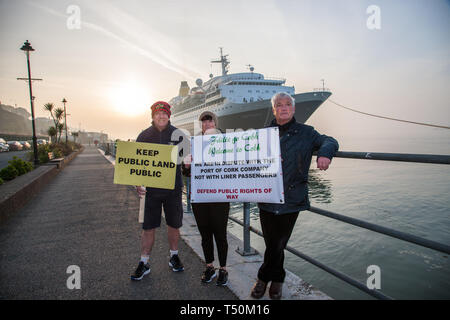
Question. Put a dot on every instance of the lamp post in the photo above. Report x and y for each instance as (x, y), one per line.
(27, 48)
(65, 116)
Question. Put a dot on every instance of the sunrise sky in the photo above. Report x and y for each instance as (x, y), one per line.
(121, 56)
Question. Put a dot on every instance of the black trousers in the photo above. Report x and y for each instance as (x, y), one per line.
(277, 230)
(212, 219)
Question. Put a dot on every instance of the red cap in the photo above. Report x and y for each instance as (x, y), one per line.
(161, 106)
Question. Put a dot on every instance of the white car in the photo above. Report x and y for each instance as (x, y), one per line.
(4, 147)
(41, 141)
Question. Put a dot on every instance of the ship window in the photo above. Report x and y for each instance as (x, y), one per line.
(250, 91)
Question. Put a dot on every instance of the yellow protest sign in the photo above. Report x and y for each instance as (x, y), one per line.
(145, 164)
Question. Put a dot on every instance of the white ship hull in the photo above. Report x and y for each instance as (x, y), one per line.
(252, 115)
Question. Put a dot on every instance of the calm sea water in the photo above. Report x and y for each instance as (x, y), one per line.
(409, 197)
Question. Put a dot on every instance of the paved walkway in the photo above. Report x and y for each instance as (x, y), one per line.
(81, 218)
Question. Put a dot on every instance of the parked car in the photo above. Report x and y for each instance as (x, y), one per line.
(41, 141)
(2, 141)
(4, 147)
(25, 144)
(14, 146)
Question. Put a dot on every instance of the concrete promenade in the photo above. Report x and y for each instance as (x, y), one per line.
(81, 218)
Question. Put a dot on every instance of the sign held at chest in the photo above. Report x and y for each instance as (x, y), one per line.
(145, 164)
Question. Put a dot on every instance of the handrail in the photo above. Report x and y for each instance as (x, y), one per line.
(321, 90)
(386, 231)
(360, 223)
(407, 157)
(338, 274)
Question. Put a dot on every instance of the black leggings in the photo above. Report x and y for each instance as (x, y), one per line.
(212, 219)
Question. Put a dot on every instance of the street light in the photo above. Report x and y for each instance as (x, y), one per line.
(65, 116)
(27, 48)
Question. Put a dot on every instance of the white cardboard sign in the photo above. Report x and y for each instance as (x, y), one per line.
(237, 167)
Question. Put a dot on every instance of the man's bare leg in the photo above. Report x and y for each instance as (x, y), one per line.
(147, 241)
(173, 236)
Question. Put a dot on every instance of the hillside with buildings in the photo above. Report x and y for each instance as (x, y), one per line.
(17, 121)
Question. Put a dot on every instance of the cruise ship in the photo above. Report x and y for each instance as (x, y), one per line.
(240, 100)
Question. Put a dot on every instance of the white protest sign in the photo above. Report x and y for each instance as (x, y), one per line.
(237, 167)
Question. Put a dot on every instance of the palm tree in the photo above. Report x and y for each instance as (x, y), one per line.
(59, 114)
(60, 127)
(49, 107)
(52, 132)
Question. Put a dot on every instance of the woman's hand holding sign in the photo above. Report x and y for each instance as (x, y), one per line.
(187, 161)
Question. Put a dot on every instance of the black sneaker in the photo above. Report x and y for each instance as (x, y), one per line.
(175, 263)
(222, 280)
(208, 274)
(141, 271)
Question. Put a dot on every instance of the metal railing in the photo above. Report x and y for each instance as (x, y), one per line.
(321, 90)
(406, 157)
(419, 158)
(109, 148)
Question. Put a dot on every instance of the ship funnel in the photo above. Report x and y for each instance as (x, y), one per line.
(184, 89)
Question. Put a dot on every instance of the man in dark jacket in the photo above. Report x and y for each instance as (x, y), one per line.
(297, 143)
(160, 132)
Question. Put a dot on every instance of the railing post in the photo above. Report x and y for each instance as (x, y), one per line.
(247, 250)
(188, 195)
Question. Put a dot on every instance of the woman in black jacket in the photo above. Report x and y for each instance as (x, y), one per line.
(211, 218)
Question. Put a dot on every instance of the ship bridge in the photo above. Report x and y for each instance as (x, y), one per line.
(249, 87)
(243, 78)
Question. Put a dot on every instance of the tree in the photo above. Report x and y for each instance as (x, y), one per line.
(57, 116)
(49, 107)
(52, 133)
